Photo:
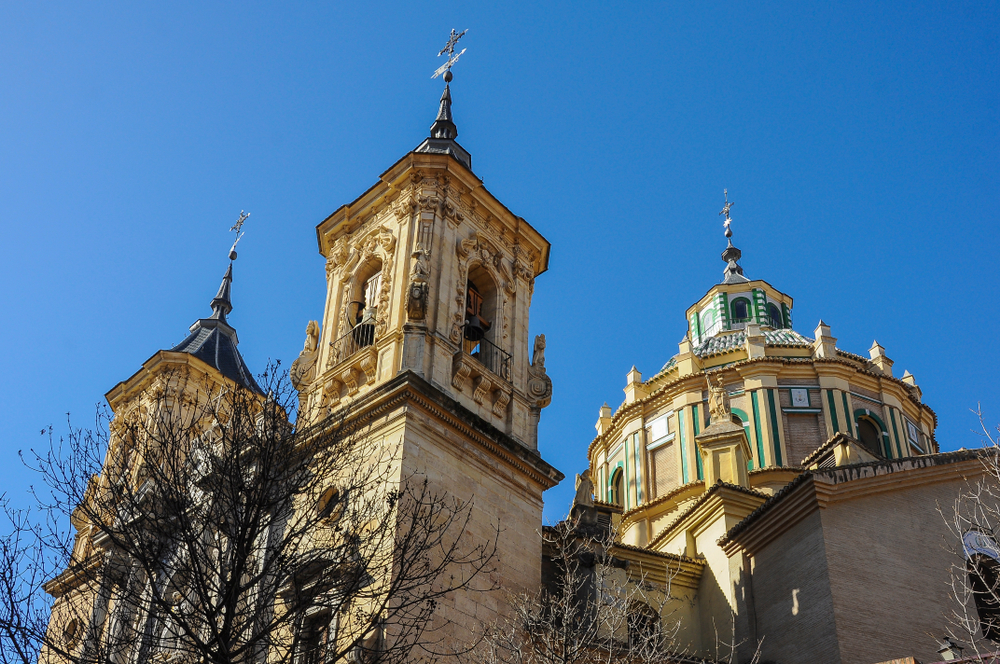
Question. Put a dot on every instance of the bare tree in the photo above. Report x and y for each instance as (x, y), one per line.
(592, 608)
(974, 521)
(209, 528)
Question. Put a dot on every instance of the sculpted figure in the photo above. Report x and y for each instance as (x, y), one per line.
(584, 490)
(304, 367)
(718, 401)
(538, 359)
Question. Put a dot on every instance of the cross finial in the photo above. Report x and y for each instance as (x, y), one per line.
(238, 228)
(725, 210)
(449, 48)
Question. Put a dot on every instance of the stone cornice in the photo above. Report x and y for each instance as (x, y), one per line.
(718, 497)
(394, 180)
(73, 577)
(410, 389)
(815, 489)
(661, 567)
(141, 379)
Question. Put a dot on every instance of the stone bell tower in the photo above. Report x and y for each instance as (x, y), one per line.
(425, 339)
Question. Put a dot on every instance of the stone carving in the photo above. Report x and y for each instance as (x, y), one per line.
(330, 396)
(483, 385)
(303, 369)
(500, 405)
(718, 401)
(539, 383)
(350, 380)
(416, 294)
(369, 364)
(458, 380)
(584, 490)
(416, 300)
(379, 244)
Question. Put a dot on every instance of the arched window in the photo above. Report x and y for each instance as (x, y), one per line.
(643, 625)
(774, 316)
(982, 563)
(617, 484)
(870, 436)
(740, 310)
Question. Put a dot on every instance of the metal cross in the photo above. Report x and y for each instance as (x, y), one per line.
(238, 227)
(449, 48)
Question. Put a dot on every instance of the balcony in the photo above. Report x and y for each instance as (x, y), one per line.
(354, 360)
(487, 367)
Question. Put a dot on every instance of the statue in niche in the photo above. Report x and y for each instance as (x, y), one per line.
(718, 401)
(416, 293)
(304, 367)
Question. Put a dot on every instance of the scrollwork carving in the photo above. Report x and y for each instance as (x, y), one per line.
(539, 383)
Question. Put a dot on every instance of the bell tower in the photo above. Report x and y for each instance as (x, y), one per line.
(424, 342)
(428, 272)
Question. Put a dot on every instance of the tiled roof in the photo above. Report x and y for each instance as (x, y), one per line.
(216, 346)
(723, 343)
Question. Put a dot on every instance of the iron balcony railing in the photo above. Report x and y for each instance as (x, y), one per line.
(361, 336)
(490, 356)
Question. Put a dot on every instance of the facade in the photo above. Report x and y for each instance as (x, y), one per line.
(774, 480)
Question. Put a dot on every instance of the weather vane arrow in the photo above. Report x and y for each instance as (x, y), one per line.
(449, 48)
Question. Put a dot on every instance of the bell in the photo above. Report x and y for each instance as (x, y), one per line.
(354, 310)
(476, 328)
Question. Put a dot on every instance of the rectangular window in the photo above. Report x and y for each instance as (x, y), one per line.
(913, 433)
(314, 638)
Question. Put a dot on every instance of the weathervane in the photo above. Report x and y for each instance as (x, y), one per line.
(238, 228)
(725, 210)
(449, 48)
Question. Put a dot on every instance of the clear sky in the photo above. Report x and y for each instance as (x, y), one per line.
(858, 139)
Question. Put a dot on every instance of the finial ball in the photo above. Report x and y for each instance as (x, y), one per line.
(447, 76)
(232, 254)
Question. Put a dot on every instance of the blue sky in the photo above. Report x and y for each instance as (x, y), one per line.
(859, 141)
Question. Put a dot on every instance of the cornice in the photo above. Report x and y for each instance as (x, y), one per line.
(73, 577)
(696, 513)
(142, 378)
(409, 388)
(394, 182)
(819, 488)
(673, 568)
(676, 495)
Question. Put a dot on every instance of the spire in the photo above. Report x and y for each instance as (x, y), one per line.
(444, 131)
(443, 126)
(733, 274)
(213, 340)
(221, 303)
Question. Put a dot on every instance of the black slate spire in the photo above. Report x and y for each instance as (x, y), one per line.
(213, 340)
(443, 131)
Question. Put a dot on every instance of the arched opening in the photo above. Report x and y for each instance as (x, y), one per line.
(983, 568)
(774, 316)
(643, 625)
(362, 310)
(870, 436)
(740, 310)
(482, 327)
(617, 485)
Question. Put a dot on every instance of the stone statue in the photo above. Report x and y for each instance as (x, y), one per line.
(304, 367)
(584, 490)
(718, 401)
(539, 383)
(538, 359)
